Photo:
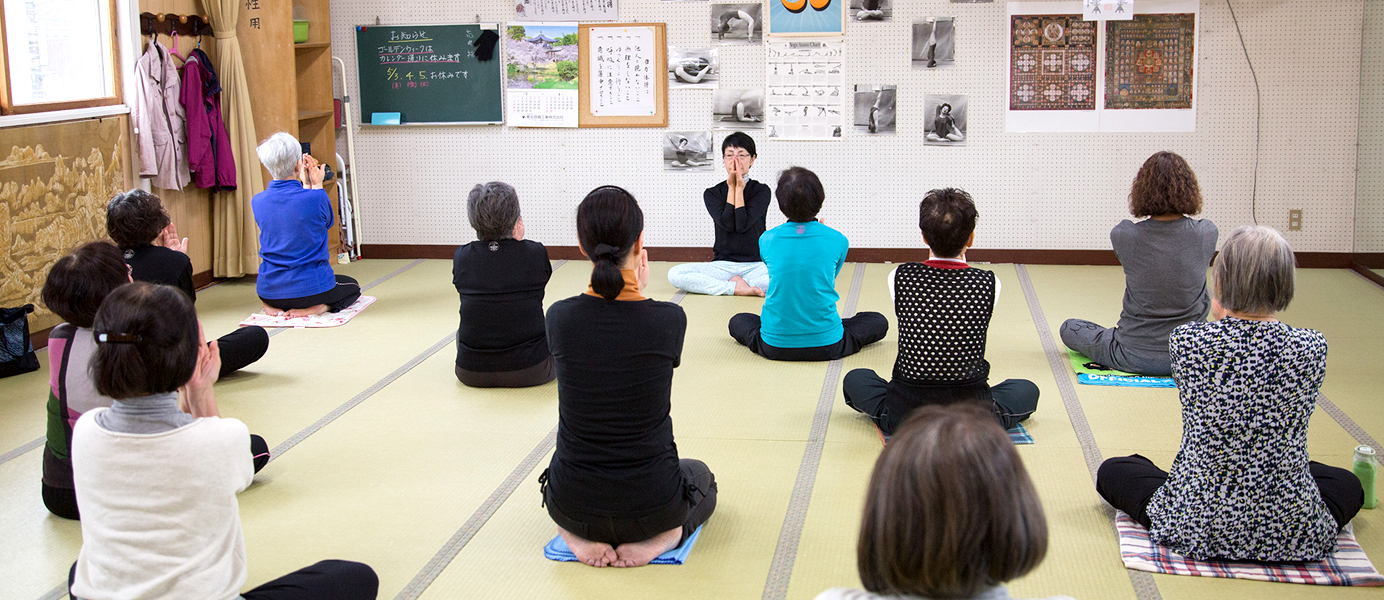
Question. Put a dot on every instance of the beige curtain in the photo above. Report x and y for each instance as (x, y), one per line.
(235, 238)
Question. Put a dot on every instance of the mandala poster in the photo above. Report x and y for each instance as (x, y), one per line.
(1149, 60)
(1052, 63)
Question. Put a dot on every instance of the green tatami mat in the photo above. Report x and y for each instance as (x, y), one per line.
(731, 559)
(392, 480)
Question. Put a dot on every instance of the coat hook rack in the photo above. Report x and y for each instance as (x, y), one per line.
(168, 23)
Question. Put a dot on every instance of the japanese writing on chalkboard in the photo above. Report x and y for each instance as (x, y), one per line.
(624, 61)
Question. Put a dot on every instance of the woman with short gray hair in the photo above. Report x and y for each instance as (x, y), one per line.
(500, 279)
(295, 216)
(1242, 487)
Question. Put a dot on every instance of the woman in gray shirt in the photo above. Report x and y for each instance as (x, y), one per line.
(1165, 258)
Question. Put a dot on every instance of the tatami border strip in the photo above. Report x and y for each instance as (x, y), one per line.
(55, 593)
(786, 552)
(336, 413)
(449, 551)
(363, 289)
(1347, 423)
(1145, 588)
(17, 452)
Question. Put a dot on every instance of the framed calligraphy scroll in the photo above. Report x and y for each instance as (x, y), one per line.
(623, 80)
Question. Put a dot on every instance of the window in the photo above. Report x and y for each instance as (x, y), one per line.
(59, 54)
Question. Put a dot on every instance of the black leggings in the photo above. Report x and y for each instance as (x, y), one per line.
(860, 331)
(241, 347)
(326, 580)
(62, 502)
(1014, 400)
(690, 510)
(346, 292)
(1128, 483)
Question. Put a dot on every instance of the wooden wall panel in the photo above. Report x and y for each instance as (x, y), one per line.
(190, 208)
(55, 180)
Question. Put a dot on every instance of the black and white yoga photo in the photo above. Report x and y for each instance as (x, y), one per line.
(945, 120)
(693, 68)
(874, 109)
(738, 108)
(738, 23)
(867, 11)
(688, 151)
(934, 42)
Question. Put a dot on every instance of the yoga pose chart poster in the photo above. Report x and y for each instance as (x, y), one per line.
(806, 96)
(806, 17)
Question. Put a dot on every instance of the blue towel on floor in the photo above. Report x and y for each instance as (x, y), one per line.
(1142, 381)
(1019, 434)
(557, 550)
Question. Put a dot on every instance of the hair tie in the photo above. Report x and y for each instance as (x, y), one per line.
(118, 338)
(605, 251)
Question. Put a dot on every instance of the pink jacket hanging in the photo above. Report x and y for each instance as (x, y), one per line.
(158, 119)
(208, 147)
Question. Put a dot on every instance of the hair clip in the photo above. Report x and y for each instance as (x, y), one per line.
(118, 338)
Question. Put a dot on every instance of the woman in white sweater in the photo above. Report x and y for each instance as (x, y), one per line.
(157, 473)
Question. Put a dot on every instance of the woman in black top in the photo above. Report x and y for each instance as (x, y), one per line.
(500, 279)
(137, 222)
(616, 487)
(738, 206)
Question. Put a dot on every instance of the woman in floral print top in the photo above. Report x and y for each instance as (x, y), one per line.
(1242, 487)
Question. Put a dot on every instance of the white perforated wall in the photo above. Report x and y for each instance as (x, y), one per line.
(1369, 207)
(1061, 191)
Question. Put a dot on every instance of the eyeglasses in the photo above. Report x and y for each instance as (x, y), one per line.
(741, 155)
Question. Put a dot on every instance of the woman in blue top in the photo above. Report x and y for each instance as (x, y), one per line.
(799, 319)
(294, 215)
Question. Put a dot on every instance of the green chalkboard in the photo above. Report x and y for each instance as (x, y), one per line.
(427, 74)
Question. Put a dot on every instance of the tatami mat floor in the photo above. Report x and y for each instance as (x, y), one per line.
(382, 457)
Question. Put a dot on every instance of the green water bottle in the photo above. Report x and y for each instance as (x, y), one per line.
(1365, 466)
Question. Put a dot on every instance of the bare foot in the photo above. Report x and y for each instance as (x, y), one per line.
(743, 288)
(596, 554)
(271, 311)
(639, 554)
(311, 311)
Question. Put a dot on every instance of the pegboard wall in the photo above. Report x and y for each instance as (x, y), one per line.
(1369, 198)
(1034, 191)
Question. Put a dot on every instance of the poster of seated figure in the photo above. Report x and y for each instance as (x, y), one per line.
(806, 91)
(1150, 79)
(688, 151)
(944, 117)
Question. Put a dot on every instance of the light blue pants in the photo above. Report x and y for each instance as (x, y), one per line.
(713, 278)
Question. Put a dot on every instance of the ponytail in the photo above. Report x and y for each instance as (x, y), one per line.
(609, 222)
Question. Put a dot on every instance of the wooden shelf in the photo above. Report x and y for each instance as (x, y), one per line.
(311, 46)
(308, 115)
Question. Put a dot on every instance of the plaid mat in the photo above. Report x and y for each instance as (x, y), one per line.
(1018, 434)
(335, 319)
(1091, 373)
(1348, 566)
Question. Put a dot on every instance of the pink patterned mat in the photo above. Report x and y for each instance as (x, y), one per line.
(335, 319)
(1348, 566)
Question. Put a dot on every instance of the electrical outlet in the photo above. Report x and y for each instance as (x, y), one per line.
(1295, 220)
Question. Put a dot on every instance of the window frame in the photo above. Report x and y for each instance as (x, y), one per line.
(7, 105)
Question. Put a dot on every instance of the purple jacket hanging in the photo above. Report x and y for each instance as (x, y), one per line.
(208, 147)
